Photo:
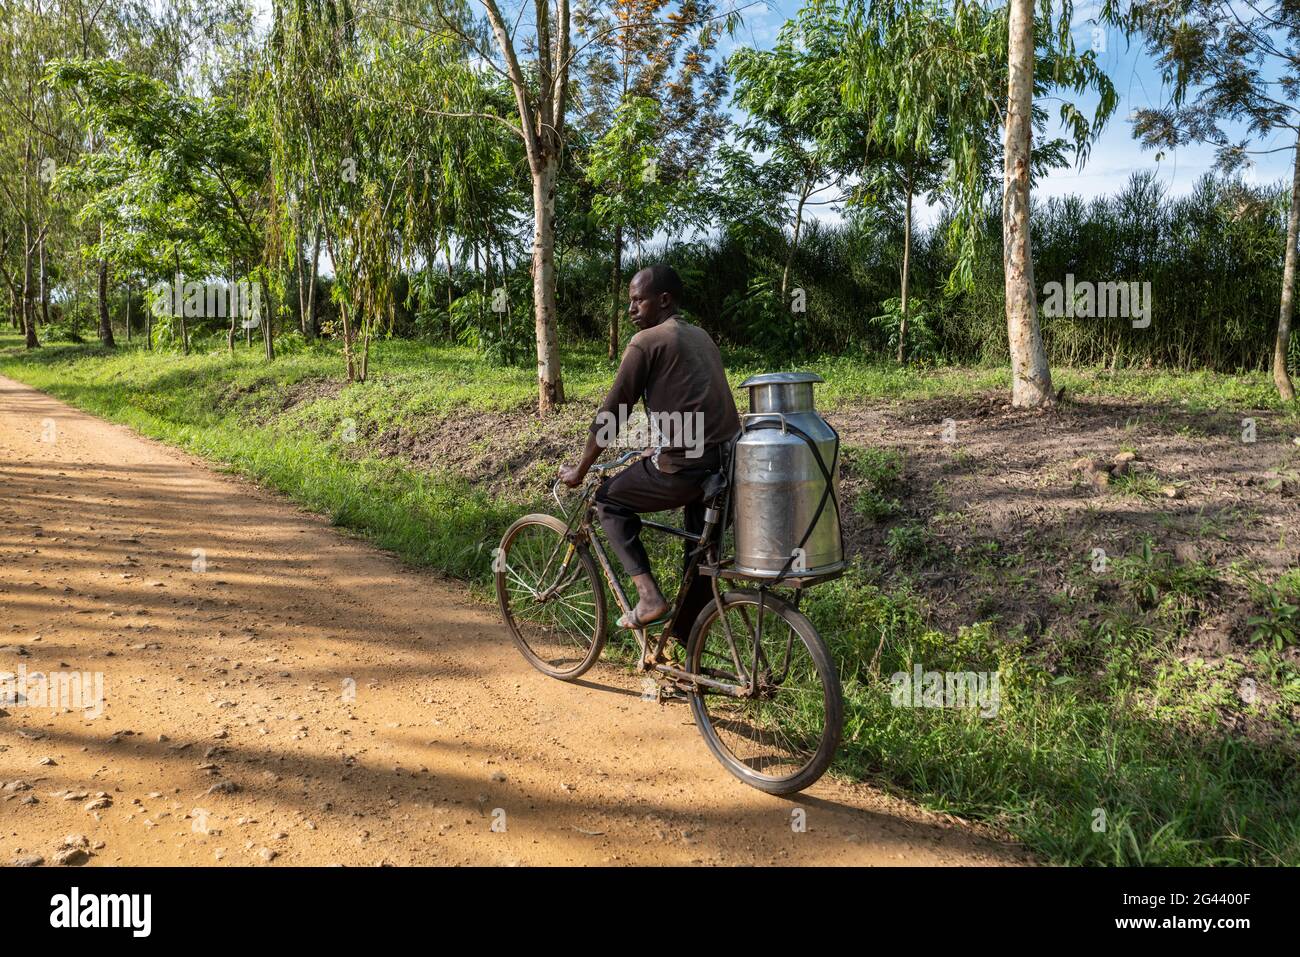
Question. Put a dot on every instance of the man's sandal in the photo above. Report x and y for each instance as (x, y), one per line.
(631, 622)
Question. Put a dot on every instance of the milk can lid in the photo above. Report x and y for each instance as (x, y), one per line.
(780, 378)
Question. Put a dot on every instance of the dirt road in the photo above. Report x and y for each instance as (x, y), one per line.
(274, 691)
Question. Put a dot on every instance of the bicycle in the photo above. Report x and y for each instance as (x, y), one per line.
(769, 707)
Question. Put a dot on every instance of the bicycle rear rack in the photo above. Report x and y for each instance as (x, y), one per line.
(798, 582)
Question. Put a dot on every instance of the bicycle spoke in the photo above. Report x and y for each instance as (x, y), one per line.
(560, 629)
(778, 731)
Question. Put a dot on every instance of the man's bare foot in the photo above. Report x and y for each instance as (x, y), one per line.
(643, 615)
(650, 605)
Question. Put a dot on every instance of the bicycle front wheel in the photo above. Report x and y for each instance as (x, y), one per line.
(781, 736)
(551, 597)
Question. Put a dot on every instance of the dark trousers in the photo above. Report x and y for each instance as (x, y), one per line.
(643, 488)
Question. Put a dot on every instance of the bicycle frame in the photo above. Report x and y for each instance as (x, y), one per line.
(580, 529)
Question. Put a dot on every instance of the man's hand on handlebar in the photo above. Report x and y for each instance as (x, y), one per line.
(572, 475)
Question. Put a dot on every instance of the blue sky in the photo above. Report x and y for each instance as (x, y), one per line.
(1116, 155)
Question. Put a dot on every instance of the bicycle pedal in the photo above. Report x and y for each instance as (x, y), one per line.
(661, 691)
(671, 691)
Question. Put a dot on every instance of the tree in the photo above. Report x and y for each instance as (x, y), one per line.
(1232, 71)
(904, 137)
(624, 165)
(1031, 378)
(542, 111)
(790, 99)
(947, 67)
(657, 50)
(178, 181)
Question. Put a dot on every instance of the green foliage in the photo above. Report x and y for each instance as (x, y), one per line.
(1276, 621)
(931, 78)
(881, 472)
(496, 323)
(910, 542)
(1100, 733)
(623, 165)
(1215, 278)
(1153, 579)
(758, 314)
(177, 179)
(922, 343)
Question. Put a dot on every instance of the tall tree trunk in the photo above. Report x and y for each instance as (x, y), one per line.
(485, 274)
(1281, 345)
(248, 330)
(45, 287)
(794, 243)
(126, 287)
(550, 386)
(541, 123)
(616, 291)
(29, 307)
(907, 259)
(446, 246)
(264, 313)
(297, 270)
(234, 317)
(180, 308)
(348, 357)
(105, 324)
(1031, 379)
(313, 321)
(29, 311)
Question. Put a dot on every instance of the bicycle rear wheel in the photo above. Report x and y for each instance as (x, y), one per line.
(783, 738)
(551, 597)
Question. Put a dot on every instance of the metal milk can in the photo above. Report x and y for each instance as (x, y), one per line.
(780, 489)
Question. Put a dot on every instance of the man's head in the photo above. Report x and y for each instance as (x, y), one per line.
(654, 294)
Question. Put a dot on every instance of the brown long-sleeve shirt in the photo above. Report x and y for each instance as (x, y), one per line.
(676, 370)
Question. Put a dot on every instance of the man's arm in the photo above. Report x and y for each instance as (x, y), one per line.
(628, 387)
(572, 475)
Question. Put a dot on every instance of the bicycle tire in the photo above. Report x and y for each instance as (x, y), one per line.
(833, 702)
(595, 643)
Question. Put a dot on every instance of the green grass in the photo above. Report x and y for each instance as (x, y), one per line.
(881, 471)
(1116, 759)
(1098, 725)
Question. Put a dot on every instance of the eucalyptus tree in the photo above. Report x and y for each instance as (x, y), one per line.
(1232, 72)
(540, 88)
(322, 155)
(1063, 67)
(459, 190)
(949, 68)
(540, 84)
(390, 129)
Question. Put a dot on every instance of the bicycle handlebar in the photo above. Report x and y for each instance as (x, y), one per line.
(623, 459)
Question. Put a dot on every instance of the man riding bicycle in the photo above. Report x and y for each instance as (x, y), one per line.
(675, 369)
